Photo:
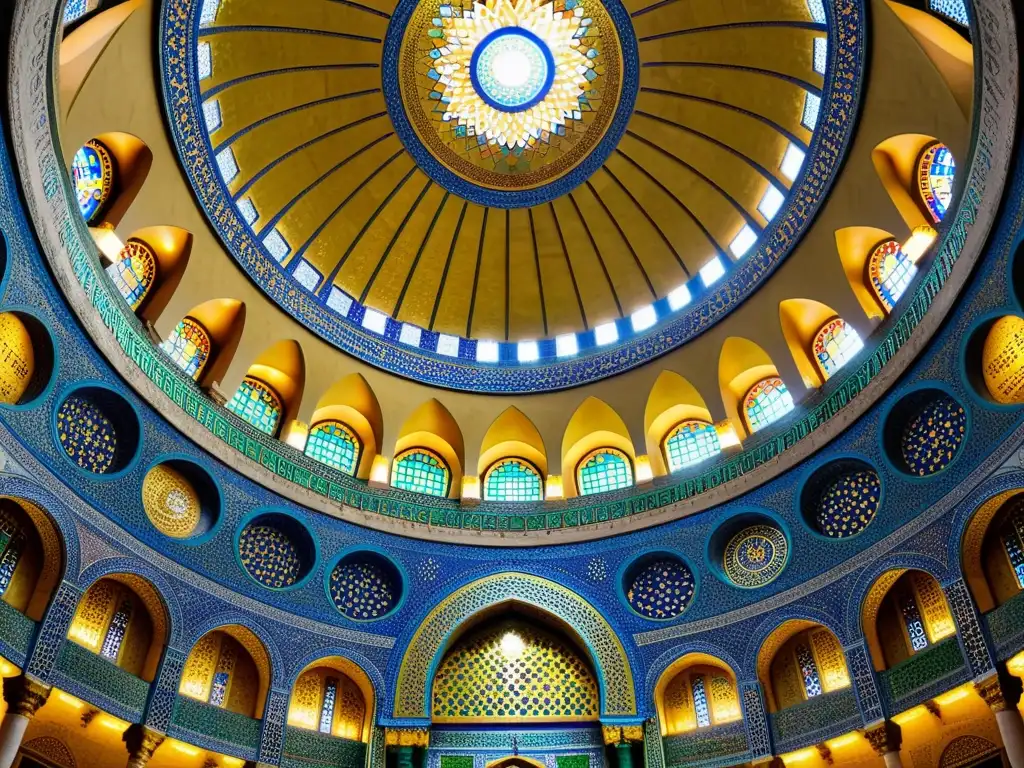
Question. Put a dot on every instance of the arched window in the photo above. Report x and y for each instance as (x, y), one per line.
(328, 701)
(935, 172)
(189, 347)
(806, 666)
(12, 540)
(334, 444)
(220, 671)
(421, 471)
(767, 401)
(890, 272)
(834, 344)
(913, 617)
(690, 442)
(697, 697)
(113, 622)
(92, 171)
(513, 480)
(605, 469)
(1012, 535)
(258, 403)
(134, 273)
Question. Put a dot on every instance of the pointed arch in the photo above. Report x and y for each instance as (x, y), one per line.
(798, 660)
(990, 575)
(270, 394)
(673, 400)
(226, 651)
(169, 249)
(857, 247)
(512, 450)
(819, 340)
(350, 403)
(680, 687)
(742, 366)
(897, 161)
(594, 425)
(432, 426)
(344, 709)
(220, 322)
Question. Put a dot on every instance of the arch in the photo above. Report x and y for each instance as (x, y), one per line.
(819, 340)
(512, 434)
(672, 400)
(170, 249)
(513, 479)
(33, 576)
(270, 394)
(512, 761)
(985, 561)
(676, 690)
(433, 427)
(822, 654)
(741, 365)
(856, 247)
(211, 656)
(131, 160)
(351, 401)
(108, 621)
(428, 643)
(594, 425)
(221, 320)
(965, 751)
(896, 162)
(347, 712)
(885, 624)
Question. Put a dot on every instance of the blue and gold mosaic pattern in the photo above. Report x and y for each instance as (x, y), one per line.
(86, 434)
(756, 556)
(334, 444)
(92, 170)
(849, 503)
(362, 590)
(936, 170)
(661, 590)
(269, 555)
(931, 439)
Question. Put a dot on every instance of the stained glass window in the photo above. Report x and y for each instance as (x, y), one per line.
(935, 172)
(334, 444)
(808, 670)
(116, 630)
(92, 172)
(834, 345)
(890, 272)
(134, 272)
(10, 544)
(767, 401)
(189, 347)
(257, 403)
(700, 702)
(605, 469)
(1012, 535)
(327, 709)
(691, 442)
(421, 471)
(513, 480)
(912, 619)
(219, 688)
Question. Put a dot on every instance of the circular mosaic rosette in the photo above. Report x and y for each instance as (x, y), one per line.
(756, 556)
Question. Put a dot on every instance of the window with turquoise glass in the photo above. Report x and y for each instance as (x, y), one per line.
(834, 346)
(421, 471)
(513, 480)
(189, 347)
(767, 401)
(333, 443)
(258, 403)
(690, 442)
(605, 469)
(134, 272)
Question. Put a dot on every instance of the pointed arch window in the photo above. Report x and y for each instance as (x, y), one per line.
(604, 469)
(258, 403)
(834, 345)
(134, 273)
(1012, 535)
(327, 707)
(936, 170)
(335, 444)
(513, 479)
(890, 272)
(92, 173)
(690, 442)
(421, 471)
(700, 702)
(766, 402)
(189, 347)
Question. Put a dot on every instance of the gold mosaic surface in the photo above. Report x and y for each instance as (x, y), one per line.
(171, 503)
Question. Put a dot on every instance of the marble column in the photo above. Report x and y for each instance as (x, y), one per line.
(624, 754)
(886, 739)
(24, 697)
(1002, 693)
(141, 743)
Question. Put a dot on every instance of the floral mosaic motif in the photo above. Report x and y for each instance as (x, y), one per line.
(935, 172)
(333, 443)
(269, 555)
(597, 569)
(134, 272)
(834, 345)
(363, 590)
(849, 503)
(931, 438)
(605, 469)
(171, 503)
(890, 272)
(86, 434)
(514, 672)
(257, 403)
(766, 402)
(189, 347)
(661, 590)
(92, 173)
(690, 443)
(513, 480)
(756, 556)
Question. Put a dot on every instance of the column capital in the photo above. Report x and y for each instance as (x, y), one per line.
(24, 695)
(623, 734)
(1001, 691)
(885, 737)
(407, 737)
(141, 742)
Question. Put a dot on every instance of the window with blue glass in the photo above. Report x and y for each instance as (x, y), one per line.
(700, 702)
(335, 444)
(513, 480)
(890, 272)
(134, 272)
(92, 173)
(116, 630)
(421, 471)
(189, 347)
(258, 403)
(690, 442)
(808, 670)
(605, 469)
(327, 708)
(1012, 535)
(766, 402)
(219, 688)
(76, 9)
(834, 345)
(936, 170)
(912, 620)
(11, 541)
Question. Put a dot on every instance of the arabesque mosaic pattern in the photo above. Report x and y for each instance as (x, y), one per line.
(170, 501)
(362, 590)
(756, 556)
(932, 438)
(849, 503)
(86, 434)
(269, 555)
(661, 590)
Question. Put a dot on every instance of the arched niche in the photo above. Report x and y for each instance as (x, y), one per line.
(990, 553)
(131, 160)
(221, 321)
(800, 660)
(333, 696)
(512, 434)
(432, 426)
(27, 358)
(122, 618)
(31, 557)
(696, 691)
(228, 668)
(741, 365)
(819, 340)
(672, 400)
(897, 161)
(594, 425)
(169, 249)
(352, 402)
(994, 360)
(856, 247)
(271, 391)
(905, 612)
(527, 593)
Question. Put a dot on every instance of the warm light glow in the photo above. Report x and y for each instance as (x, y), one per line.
(380, 470)
(471, 488)
(71, 701)
(303, 717)
(920, 241)
(941, 628)
(799, 756)
(7, 669)
(911, 714)
(85, 635)
(295, 434)
(195, 688)
(512, 68)
(111, 722)
(727, 437)
(1016, 665)
(108, 242)
(843, 741)
(553, 488)
(512, 645)
(231, 762)
(644, 473)
(185, 749)
(955, 695)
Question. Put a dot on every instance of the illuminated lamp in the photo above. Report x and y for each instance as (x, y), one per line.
(380, 471)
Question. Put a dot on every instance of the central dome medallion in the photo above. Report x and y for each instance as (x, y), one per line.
(510, 102)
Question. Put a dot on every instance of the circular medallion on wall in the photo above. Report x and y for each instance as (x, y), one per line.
(755, 556)
(180, 499)
(841, 498)
(924, 432)
(276, 550)
(365, 586)
(659, 586)
(97, 430)
(26, 358)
